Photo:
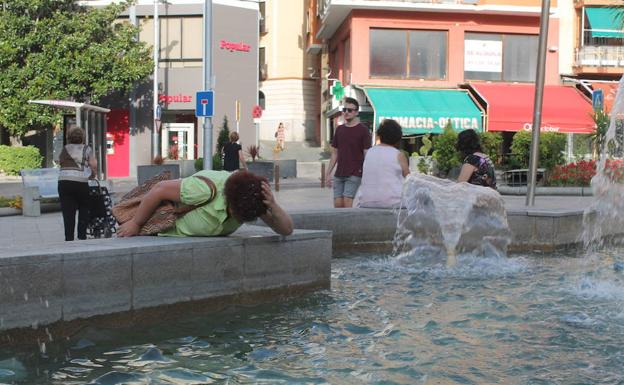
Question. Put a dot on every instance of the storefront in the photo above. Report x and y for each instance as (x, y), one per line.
(426, 111)
(509, 108)
(180, 77)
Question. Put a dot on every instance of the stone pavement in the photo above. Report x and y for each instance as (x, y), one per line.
(295, 195)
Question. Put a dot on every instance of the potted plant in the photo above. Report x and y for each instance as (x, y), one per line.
(144, 172)
(259, 167)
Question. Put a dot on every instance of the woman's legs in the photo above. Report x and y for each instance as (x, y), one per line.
(74, 196)
(68, 207)
(83, 199)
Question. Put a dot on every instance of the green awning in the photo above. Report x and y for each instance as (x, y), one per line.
(421, 111)
(604, 22)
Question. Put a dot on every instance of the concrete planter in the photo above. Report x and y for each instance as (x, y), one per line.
(288, 167)
(187, 167)
(145, 172)
(262, 168)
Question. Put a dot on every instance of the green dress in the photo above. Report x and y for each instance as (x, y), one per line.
(208, 220)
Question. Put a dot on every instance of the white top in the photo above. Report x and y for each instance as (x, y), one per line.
(382, 178)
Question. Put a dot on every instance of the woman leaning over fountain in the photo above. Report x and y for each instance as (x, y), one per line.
(224, 201)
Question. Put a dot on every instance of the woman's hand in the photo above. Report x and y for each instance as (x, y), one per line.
(269, 198)
(128, 229)
(275, 217)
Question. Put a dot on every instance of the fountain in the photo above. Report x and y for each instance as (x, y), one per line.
(606, 213)
(443, 218)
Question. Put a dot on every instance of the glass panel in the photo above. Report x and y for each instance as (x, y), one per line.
(388, 53)
(483, 56)
(170, 38)
(520, 58)
(192, 38)
(428, 54)
(346, 79)
(146, 34)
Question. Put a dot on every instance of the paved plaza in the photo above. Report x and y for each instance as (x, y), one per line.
(295, 195)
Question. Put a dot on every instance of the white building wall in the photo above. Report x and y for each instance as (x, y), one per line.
(293, 102)
(567, 38)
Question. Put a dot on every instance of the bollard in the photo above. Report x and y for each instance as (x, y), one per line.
(322, 175)
(31, 202)
(276, 176)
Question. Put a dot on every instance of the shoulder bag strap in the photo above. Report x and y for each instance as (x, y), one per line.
(213, 194)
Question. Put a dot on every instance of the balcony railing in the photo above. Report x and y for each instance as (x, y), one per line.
(600, 56)
(323, 5)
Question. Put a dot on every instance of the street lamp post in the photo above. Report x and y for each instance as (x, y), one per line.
(155, 130)
(537, 109)
(207, 62)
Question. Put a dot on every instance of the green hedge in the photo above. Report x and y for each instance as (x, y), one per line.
(14, 159)
(551, 148)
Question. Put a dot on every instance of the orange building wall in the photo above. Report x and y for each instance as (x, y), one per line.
(360, 21)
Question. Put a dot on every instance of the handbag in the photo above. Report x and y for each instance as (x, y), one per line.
(165, 215)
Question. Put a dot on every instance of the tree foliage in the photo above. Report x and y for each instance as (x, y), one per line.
(56, 49)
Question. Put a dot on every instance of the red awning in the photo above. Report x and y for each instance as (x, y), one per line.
(510, 108)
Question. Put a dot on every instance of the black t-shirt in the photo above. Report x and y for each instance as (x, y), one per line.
(230, 156)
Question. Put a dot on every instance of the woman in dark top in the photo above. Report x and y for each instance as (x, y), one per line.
(233, 154)
(477, 169)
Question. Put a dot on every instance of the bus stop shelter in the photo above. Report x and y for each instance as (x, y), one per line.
(90, 118)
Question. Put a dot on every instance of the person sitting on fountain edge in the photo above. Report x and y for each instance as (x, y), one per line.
(235, 198)
(477, 167)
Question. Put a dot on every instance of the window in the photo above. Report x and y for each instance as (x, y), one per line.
(408, 54)
(346, 63)
(178, 38)
(261, 100)
(498, 57)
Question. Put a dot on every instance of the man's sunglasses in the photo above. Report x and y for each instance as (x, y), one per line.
(345, 109)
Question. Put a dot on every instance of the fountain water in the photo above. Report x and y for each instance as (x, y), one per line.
(443, 218)
(606, 213)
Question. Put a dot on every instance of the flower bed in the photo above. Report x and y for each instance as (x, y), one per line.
(580, 173)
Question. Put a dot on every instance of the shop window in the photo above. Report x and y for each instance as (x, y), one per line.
(500, 57)
(408, 54)
(178, 39)
(346, 63)
(261, 100)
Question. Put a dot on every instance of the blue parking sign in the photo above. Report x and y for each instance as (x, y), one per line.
(598, 99)
(204, 106)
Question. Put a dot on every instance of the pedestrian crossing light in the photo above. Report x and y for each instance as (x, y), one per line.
(337, 90)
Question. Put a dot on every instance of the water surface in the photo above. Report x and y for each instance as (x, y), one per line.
(520, 320)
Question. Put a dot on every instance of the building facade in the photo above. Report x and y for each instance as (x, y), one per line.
(131, 122)
(289, 78)
(429, 62)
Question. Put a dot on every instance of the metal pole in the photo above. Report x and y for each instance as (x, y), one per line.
(207, 81)
(155, 146)
(537, 108)
(132, 129)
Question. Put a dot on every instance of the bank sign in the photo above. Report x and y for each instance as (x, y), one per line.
(434, 124)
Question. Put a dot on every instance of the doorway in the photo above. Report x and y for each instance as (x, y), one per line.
(178, 141)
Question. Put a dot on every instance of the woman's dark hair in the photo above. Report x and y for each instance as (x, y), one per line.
(390, 132)
(243, 194)
(76, 136)
(468, 142)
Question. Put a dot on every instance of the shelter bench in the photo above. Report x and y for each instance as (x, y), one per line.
(38, 183)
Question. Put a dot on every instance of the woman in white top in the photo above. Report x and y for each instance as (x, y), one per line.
(77, 165)
(385, 169)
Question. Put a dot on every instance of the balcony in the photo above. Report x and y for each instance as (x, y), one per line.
(599, 59)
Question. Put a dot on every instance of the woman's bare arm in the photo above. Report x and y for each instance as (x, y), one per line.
(404, 163)
(168, 190)
(466, 171)
(241, 157)
(276, 218)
